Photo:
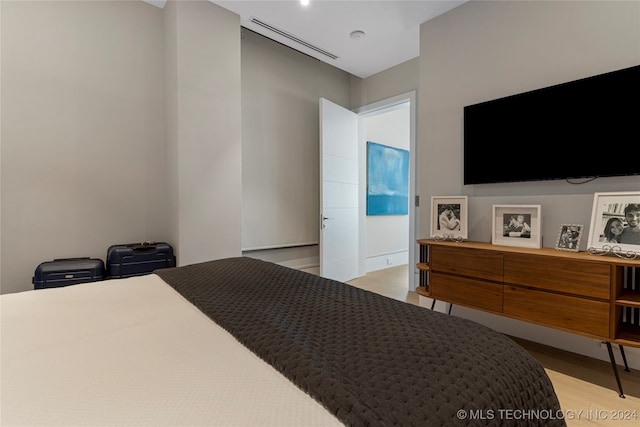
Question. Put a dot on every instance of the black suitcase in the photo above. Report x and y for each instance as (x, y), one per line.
(67, 271)
(137, 259)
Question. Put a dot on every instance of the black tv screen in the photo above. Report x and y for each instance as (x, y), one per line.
(580, 129)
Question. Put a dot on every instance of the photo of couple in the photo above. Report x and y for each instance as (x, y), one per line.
(449, 217)
(623, 229)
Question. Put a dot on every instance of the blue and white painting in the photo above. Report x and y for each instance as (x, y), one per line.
(387, 180)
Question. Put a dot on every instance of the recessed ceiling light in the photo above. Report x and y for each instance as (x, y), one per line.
(357, 35)
(304, 2)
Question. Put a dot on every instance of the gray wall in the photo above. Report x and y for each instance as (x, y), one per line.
(83, 157)
(280, 187)
(204, 166)
(281, 89)
(402, 78)
(502, 49)
(120, 123)
(484, 50)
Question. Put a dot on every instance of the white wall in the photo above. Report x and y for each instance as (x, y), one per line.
(484, 50)
(386, 236)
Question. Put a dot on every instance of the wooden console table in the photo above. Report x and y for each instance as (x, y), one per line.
(594, 296)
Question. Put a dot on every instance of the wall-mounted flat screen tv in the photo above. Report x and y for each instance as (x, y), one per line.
(581, 129)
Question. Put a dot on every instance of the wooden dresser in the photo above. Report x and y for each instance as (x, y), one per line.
(590, 295)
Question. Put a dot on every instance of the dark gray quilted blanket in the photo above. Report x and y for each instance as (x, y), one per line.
(369, 359)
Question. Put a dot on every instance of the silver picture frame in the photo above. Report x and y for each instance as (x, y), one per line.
(569, 237)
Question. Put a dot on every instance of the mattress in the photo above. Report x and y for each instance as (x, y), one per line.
(134, 352)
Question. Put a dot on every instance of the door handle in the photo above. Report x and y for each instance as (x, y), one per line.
(323, 218)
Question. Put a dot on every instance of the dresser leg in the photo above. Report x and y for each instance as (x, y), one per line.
(624, 358)
(615, 368)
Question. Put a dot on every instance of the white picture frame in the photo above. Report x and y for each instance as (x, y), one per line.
(449, 217)
(609, 208)
(517, 225)
(569, 237)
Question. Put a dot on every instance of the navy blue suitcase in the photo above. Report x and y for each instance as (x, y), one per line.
(137, 259)
(67, 271)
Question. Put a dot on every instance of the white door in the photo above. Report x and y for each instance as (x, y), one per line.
(339, 224)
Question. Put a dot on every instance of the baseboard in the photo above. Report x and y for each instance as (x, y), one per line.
(381, 262)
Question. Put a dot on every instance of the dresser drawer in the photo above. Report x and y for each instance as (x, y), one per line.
(562, 311)
(466, 291)
(467, 262)
(577, 277)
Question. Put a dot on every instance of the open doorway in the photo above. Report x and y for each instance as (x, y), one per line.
(390, 241)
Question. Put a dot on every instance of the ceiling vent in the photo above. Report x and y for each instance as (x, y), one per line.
(292, 38)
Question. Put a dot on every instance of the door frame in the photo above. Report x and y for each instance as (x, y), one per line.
(380, 107)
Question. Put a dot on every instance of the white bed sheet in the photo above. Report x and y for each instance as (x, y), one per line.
(134, 352)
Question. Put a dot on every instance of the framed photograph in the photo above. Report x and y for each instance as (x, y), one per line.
(449, 217)
(569, 237)
(615, 222)
(517, 225)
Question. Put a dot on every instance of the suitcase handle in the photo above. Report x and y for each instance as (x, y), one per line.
(145, 248)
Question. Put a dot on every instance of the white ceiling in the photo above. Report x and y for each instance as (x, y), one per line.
(391, 27)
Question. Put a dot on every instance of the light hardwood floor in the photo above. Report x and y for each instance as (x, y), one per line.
(586, 387)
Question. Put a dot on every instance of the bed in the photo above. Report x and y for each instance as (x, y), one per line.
(245, 342)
